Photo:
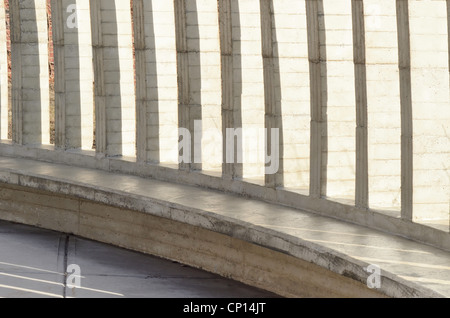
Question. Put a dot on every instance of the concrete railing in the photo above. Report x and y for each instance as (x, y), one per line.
(358, 92)
(283, 250)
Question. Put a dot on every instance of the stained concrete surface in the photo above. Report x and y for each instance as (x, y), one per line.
(34, 262)
(310, 237)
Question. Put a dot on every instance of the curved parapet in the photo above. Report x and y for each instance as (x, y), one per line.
(338, 108)
(289, 252)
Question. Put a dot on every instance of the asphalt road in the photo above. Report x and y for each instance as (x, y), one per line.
(36, 263)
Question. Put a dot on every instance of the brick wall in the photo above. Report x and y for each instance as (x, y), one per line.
(8, 36)
(51, 61)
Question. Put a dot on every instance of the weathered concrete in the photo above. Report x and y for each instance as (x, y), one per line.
(342, 80)
(290, 252)
(30, 76)
(74, 105)
(430, 233)
(359, 91)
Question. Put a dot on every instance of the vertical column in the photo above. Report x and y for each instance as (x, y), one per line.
(188, 113)
(141, 81)
(359, 53)
(59, 54)
(231, 114)
(99, 80)
(183, 79)
(73, 74)
(30, 78)
(4, 91)
(406, 108)
(114, 78)
(273, 114)
(317, 118)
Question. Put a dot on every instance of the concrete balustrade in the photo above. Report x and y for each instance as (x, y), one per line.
(113, 78)
(358, 90)
(74, 106)
(30, 76)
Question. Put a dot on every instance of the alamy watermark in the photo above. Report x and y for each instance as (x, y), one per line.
(72, 20)
(374, 279)
(238, 143)
(73, 279)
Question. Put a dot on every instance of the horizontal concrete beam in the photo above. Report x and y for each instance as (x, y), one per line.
(285, 197)
(86, 203)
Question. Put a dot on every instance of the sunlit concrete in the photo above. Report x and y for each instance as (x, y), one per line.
(100, 205)
(359, 93)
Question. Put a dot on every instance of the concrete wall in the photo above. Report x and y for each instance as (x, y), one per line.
(338, 98)
(74, 103)
(359, 90)
(30, 76)
(231, 257)
(292, 91)
(430, 92)
(249, 84)
(383, 102)
(203, 30)
(154, 40)
(114, 78)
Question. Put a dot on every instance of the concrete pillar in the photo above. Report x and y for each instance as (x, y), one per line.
(74, 114)
(383, 99)
(141, 83)
(292, 91)
(318, 120)
(99, 82)
(359, 58)
(30, 76)
(4, 91)
(189, 110)
(114, 78)
(272, 94)
(156, 81)
(404, 48)
(231, 114)
(430, 85)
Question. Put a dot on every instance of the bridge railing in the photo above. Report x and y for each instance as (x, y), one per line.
(337, 107)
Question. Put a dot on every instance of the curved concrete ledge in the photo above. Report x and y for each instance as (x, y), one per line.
(438, 237)
(286, 251)
(34, 262)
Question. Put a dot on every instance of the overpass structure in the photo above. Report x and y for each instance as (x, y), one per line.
(293, 145)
